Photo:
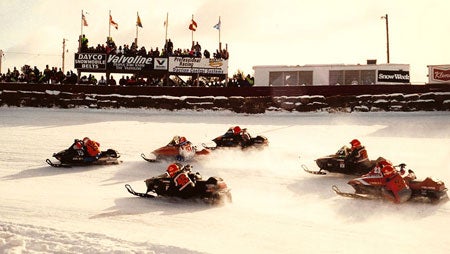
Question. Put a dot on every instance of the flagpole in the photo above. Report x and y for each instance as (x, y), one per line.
(220, 28)
(137, 18)
(167, 24)
(81, 33)
(109, 24)
(192, 31)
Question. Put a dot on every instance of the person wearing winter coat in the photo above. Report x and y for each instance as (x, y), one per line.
(92, 149)
(396, 189)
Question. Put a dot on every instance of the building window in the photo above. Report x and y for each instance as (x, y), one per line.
(336, 78)
(352, 77)
(290, 78)
(305, 78)
(368, 77)
(276, 78)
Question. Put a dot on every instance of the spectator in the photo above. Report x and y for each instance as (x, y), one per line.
(102, 81)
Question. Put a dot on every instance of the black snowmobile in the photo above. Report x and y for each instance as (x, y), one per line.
(72, 157)
(341, 162)
(231, 140)
(211, 191)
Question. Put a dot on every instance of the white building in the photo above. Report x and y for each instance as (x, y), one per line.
(332, 74)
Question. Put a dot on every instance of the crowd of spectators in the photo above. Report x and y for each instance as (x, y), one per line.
(55, 75)
(110, 47)
(27, 74)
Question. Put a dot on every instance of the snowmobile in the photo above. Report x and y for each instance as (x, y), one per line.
(211, 191)
(371, 186)
(340, 163)
(231, 140)
(72, 157)
(171, 152)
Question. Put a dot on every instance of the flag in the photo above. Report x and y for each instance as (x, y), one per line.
(111, 22)
(138, 22)
(83, 18)
(193, 25)
(217, 26)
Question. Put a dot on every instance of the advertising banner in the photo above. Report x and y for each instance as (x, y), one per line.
(191, 65)
(439, 73)
(90, 61)
(136, 63)
(392, 76)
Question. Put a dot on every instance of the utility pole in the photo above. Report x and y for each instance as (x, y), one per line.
(63, 54)
(387, 35)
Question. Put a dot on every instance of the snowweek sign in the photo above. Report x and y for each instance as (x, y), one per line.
(389, 76)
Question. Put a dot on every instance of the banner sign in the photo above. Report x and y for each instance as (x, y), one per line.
(191, 65)
(439, 74)
(161, 64)
(392, 76)
(90, 61)
(136, 63)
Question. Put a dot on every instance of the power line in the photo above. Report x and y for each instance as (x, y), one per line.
(28, 53)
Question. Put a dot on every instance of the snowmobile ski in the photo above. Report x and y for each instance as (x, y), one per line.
(57, 165)
(139, 194)
(148, 159)
(209, 147)
(319, 172)
(353, 195)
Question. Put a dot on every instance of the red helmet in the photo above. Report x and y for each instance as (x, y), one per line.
(173, 168)
(236, 130)
(355, 143)
(85, 139)
(383, 163)
(387, 170)
(182, 139)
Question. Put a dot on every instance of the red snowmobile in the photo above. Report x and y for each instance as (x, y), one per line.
(213, 191)
(371, 186)
(339, 163)
(178, 149)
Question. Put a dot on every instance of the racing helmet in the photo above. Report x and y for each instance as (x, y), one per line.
(236, 130)
(355, 143)
(182, 139)
(176, 140)
(86, 139)
(173, 168)
(382, 162)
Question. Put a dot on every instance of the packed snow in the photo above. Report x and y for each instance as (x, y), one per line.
(276, 208)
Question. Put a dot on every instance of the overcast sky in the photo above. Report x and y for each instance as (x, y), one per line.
(263, 32)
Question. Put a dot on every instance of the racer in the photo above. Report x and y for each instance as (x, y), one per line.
(92, 149)
(185, 149)
(358, 156)
(395, 189)
(246, 138)
(181, 184)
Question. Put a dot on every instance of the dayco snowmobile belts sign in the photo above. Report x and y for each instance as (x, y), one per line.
(390, 76)
(190, 65)
(120, 63)
(90, 61)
